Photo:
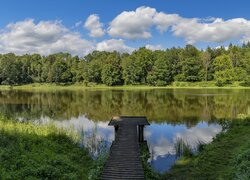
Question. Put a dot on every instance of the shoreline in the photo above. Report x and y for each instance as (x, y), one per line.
(225, 157)
(43, 151)
(48, 86)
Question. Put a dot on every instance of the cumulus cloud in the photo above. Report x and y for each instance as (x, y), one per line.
(154, 47)
(94, 25)
(44, 37)
(139, 23)
(113, 45)
(196, 134)
(133, 24)
(163, 21)
(219, 30)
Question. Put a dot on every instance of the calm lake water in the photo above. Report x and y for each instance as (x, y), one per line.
(191, 115)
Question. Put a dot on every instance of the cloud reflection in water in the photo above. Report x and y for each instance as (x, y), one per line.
(162, 138)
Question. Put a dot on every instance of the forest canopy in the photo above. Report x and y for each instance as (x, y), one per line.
(141, 67)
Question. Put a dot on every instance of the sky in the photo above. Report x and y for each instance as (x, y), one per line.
(82, 26)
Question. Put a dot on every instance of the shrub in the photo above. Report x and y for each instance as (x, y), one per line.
(242, 166)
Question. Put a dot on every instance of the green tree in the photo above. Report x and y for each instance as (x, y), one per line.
(206, 61)
(112, 71)
(224, 73)
(191, 69)
(60, 72)
(137, 67)
(9, 70)
(160, 74)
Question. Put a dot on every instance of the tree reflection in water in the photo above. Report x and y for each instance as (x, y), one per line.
(191, 114)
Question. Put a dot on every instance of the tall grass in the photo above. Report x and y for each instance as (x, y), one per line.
(149, 172)
(183, 149)
(29, 151)
(14, 127)
(227, 157)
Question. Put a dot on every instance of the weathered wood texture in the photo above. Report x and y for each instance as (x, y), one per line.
(124, 159)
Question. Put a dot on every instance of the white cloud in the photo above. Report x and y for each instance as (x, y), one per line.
(194, 30)
(92, 134)
(113, 45)
(246, 38)
(45, 37)
(139, 23)
(195, 135)
(94, 25)
(133, 24)
(154, 47)
(164, 21)
(162, 147)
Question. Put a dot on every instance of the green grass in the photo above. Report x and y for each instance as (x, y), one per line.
(227, 157)
(82, 86)
(29, 151)
(149, 172)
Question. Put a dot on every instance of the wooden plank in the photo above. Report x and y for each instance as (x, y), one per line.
(136, 120)
(124, 159)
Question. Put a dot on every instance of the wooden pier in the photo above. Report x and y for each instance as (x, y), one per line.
(124, 160)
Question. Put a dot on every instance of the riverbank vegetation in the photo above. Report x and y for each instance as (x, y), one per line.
(93, 86)
(142, 67)
(227, 157)
(29, 151)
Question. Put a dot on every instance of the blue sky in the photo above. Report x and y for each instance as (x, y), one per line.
(222, 21)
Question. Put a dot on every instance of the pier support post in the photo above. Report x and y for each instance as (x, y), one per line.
(116, 130)
(141, 136)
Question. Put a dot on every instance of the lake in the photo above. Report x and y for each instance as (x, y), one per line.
(192, 115)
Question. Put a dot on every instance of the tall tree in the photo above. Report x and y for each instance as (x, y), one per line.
(161, 73)
(112, 72)
(224, 73)
(206, 61)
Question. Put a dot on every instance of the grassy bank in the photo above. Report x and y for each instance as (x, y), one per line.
(28, 151)
(82, 86)
(227, 157)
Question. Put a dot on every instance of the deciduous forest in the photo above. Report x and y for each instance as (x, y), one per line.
(141, 67)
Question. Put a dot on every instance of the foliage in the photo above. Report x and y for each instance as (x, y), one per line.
(141, 67)
(242, 165)
(224, 73)
(111, 72)
(227, 157)
(191, 69)
(95, 173)
(149, 172)
(30, 151)
(160, 75)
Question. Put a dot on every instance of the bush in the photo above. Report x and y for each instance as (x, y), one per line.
(220, 83)
(179, 78)
(242, 166)
(246, 82)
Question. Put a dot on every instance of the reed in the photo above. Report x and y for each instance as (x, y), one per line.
(30, 151)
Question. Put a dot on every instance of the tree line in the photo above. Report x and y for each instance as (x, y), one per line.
(141, 67)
